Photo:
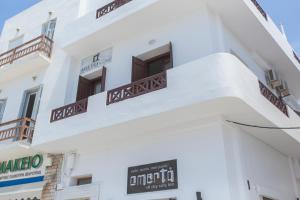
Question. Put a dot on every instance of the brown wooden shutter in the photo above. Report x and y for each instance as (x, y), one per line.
(103, 79)
(171, 54)
(84, 88)
(139, 69)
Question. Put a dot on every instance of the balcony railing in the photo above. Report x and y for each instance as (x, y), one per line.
(69, 110)
(40, 44)
(296, 57)
(140, 87)
(260, 9)
(276, 101)
(110, 7)
(19, 129)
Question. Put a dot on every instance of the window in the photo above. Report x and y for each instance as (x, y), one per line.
(48, 28)
(152, 62)
(2, 108)
(91, 86)
(266, 198)
(31, 103)
(15, 42)
(84, 180)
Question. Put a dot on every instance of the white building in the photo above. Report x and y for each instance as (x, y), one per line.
(132, 100)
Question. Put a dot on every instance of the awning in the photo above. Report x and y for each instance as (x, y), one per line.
(27, 191)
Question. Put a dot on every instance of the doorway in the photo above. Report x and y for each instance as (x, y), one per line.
(31, 101)
(48, 28)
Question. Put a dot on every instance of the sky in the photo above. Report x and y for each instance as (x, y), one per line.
(286, 12)
(9, 8)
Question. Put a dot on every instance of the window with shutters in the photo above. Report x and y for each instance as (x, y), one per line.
(91, 85)
(153, 62)
(2, 108)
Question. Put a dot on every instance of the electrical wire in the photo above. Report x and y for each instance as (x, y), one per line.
(263, 127)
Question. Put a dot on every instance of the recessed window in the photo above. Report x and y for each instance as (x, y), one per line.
(15, 42)
(88, 86)
(266, 198)
(84, 180)
(152, 62)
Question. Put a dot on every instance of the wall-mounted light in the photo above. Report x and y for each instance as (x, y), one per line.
(34, 78)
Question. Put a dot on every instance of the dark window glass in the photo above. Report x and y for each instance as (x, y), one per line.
(84, 181)
(30, 105)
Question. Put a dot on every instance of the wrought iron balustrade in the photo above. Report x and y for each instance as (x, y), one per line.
(260, 9)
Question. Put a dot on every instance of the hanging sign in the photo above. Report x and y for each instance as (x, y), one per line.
(152, 177)
(95, 62)
(29, 169)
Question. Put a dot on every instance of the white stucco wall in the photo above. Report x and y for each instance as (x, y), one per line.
(30, 21)
(14, 90)
(250, 159)
(214, 159)
(198, 170)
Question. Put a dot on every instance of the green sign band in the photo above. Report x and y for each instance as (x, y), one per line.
(20, 164)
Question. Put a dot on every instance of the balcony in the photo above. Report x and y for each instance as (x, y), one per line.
(69, 110)
(137, 88)
(17, 130)
(110, 7)
(260, 9)
(227, 89)
(32, 54)
(276, 101)
(40, 44)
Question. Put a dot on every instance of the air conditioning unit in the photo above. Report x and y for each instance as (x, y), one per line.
(283, 89)
(273, 79)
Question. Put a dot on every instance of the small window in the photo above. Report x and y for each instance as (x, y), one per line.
(15, 42)
(2, 108)
(266, 198)
(84, 180)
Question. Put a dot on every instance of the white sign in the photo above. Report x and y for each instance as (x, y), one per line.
(29, 169)
(96, 62)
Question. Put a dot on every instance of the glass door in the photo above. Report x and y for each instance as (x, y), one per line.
(48, 28)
